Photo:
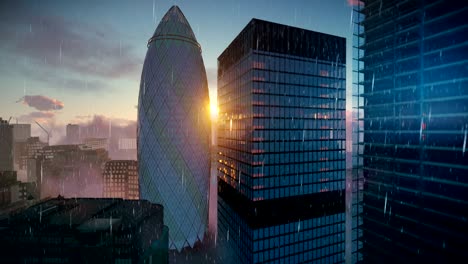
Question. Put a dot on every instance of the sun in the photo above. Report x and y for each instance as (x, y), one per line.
(214, 110)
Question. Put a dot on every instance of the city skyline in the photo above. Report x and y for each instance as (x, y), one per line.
(234, 131)
(79, 63)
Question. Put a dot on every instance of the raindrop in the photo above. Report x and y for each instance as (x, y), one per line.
(154, 21)
(227, 235)
(464, 141)
(299, 226)
(401, 230)
(60, 52)
(385, 204)
(380, 8)
(373, 78)
(421, 129)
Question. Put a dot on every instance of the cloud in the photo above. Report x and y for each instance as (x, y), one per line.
(354, 2)
(41, 103)
(36, 115)
(83, 117)
(63, 45)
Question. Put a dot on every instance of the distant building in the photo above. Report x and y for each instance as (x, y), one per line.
(25, 152)
(71, 171)
(281, 145)
(73, 134)
(85, 230)
(127, 144)
(21, 132)
(121, 179)
(8, 188)
(96, 143)
(6, 146)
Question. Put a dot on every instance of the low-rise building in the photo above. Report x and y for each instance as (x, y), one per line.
(85, 230)
(121, 179)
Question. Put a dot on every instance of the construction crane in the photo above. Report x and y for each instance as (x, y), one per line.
(47, 132)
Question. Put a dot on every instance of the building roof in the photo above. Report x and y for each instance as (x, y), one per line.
(174, 25)
(85, 215)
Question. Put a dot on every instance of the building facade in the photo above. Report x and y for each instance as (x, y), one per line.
(85, 230)
(96, 143)
(71, 171)
(6, 146)
(174, 129)
(21, 132)
(412, 98)
(281, 145)
(121, 179)
(73, 134)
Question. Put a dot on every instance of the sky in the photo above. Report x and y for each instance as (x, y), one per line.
(73, 61)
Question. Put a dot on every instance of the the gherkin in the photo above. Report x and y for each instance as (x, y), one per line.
(173, 130)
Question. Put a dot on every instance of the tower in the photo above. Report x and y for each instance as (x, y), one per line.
(174, 129)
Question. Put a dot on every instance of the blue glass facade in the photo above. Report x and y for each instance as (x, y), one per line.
(281, 145)
(411, 61)
(174, 130)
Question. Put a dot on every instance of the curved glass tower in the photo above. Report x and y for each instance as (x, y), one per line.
(174, 130)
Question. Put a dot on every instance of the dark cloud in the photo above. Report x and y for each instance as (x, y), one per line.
(58, 42)
(41, 103)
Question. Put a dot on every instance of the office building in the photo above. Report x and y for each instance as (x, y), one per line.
(174, 130)
(96, 143)
(21, 132)
(71, 171)
(281, 145)
(73, 134)
(8, 187)
(121, 179)
(85, 230)
(411, 64)
(6, 146)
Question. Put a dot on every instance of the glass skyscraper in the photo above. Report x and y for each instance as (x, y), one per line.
(411, 86)
(281, 145)
(174, 130)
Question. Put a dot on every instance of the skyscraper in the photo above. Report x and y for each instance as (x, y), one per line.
(411, 60)
(174, 129)
(281, 145)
